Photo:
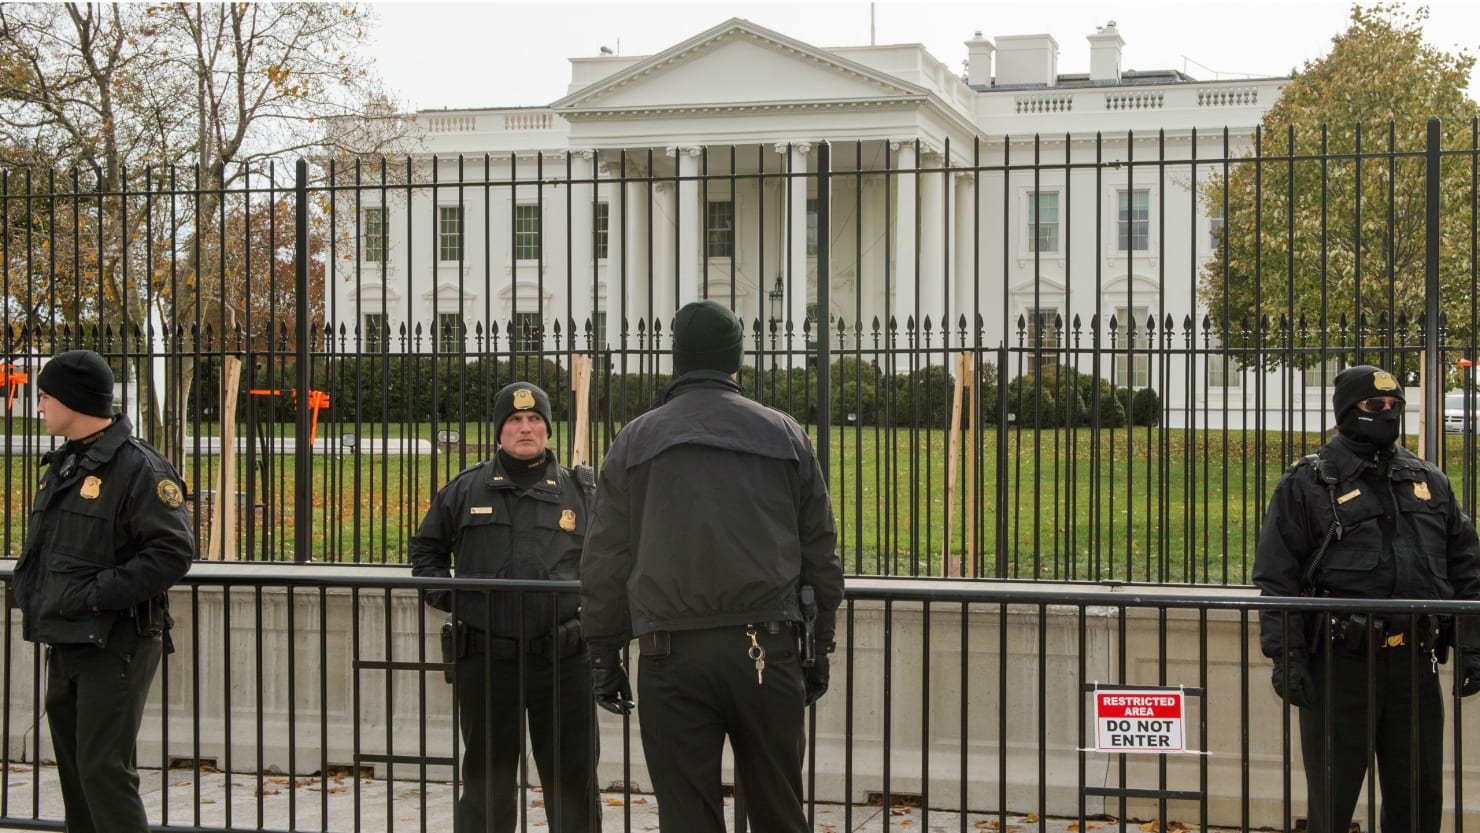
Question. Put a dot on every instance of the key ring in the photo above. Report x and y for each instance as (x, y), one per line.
(755, 651)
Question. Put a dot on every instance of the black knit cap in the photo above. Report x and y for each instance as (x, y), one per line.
(1362, 381)
(520, 396)
(81, 380)
(707, 336)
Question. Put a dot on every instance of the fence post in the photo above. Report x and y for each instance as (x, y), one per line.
(824, 304)
(1433, 358)
(303, 444)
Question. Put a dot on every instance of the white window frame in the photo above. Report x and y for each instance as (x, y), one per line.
(375, 335)
(1126, 227)
(1125, 373)
(601, 225)
(710, 249)
(372, 234)
(449, 233)
(528, 242)
(1220, 369)
(450, 332)
(1035, 226)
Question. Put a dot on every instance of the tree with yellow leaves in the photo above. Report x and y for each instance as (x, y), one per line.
(1323, 236)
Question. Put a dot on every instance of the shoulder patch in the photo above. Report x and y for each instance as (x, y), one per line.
(170, 494)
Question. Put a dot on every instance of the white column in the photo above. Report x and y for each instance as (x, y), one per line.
(933, 220)
(902, 276)
(582, 264)
(795, 255)
(665, 209)
(639, 273)
(871, 266)
(963, 290)
(690, 216)
(616, 248)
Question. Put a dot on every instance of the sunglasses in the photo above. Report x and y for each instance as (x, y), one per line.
(1378, 404)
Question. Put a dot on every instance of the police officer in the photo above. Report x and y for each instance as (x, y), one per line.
(520, 515)
(1366, 519)
(711, 513)
(108, 536)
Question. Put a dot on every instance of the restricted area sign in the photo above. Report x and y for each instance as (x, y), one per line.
(1139, 720)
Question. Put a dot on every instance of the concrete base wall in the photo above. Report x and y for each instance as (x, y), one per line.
(995, 711)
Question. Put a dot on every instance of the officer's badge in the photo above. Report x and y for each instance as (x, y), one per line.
(169, 494)
(568, 520)
(1383, 380)
(1421, 491)
(91, 487)
(523, 399)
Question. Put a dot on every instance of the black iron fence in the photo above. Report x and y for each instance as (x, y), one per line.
(1036, 358)
(314, 699)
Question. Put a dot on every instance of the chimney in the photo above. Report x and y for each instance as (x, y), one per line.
(979, 61)
(1027, 59)
(1104, 54)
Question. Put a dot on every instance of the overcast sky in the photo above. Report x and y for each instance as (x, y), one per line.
(466, 55)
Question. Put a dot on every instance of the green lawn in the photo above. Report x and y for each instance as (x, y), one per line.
(1150, 505)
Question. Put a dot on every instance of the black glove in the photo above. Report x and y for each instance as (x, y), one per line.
(816, 679)
(1300, 688)
(1467, 675)
(609, 681)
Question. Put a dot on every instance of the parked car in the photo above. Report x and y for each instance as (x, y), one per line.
(1456, 418)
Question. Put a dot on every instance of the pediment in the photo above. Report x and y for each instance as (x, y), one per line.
(737, 64)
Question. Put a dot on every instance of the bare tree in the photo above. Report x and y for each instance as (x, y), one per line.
(169, 112)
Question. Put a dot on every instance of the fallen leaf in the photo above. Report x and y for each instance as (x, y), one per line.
(538, 802)
(613, 802)
(906, 822)
(268, 791)
(639, 801)
(1030, 818)
(1089, 825)
(899, 811)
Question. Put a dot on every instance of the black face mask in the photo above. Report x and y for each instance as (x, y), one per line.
(1379, 430)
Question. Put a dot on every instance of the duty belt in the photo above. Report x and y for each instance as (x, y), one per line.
(1399, 631)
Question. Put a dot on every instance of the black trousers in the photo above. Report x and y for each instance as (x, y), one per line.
(94, 704)
(1408, 707)
(704, 690)
(489, 708)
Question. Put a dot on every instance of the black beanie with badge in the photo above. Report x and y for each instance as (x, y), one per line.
(1362, 381)
(520, 396)
(707, 336)
(81, 380)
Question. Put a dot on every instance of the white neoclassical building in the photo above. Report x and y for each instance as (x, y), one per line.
(1009, 191)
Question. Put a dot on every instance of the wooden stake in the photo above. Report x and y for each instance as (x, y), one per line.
(953, 448)
(580, 382)
(223, 509)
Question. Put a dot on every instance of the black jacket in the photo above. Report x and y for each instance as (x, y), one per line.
(495, 528)
(711, 510)
(1402, 534)
(107, 538)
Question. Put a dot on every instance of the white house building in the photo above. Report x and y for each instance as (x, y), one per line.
(1009, 191)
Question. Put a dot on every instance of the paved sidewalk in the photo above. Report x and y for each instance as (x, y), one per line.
(341, 802)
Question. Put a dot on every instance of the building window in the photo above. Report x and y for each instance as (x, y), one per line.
(372, 242)
(1221, 369)
(1215, 229)
(1321, 374)
(1135, 220)
(377, 333)
(601, 223)
(449, 232)
(599, 320)
(1043, 221)
(1133, 370)
(527, 331)
(719, 229)
(812, 227)
(1043, 336)
(449, 332)
(526, 232)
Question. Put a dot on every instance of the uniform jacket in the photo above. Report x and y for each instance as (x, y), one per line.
(711, 510)
(1402, 534)
(493, 528)
(110, 536)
